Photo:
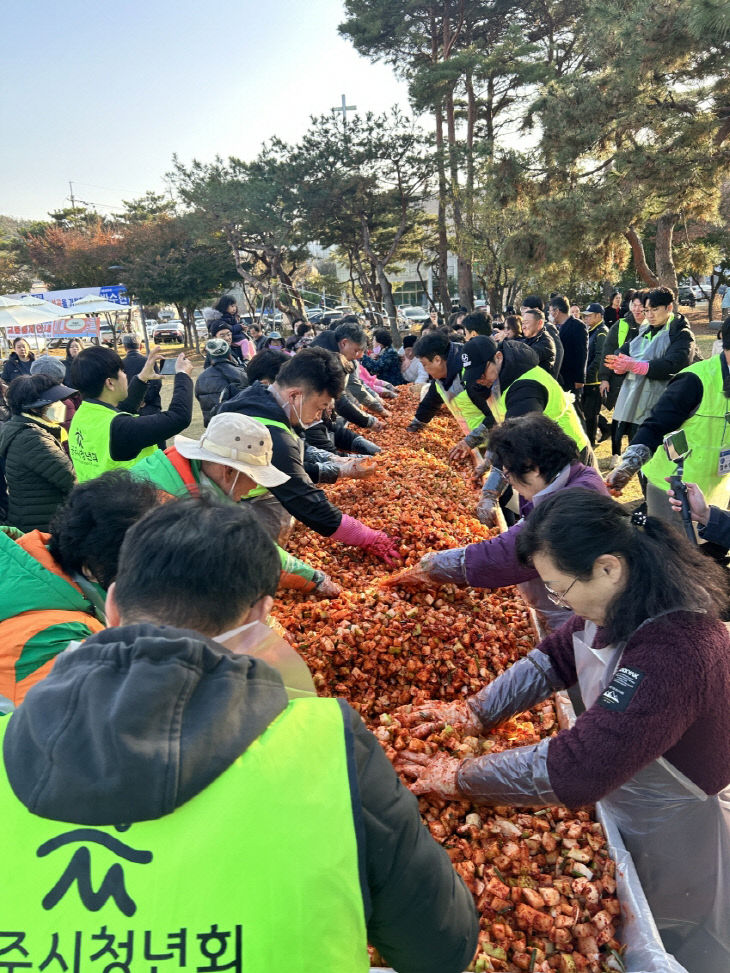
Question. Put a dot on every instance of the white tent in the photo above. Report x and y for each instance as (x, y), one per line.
(17, 313)
(92, 305)
(55, 310)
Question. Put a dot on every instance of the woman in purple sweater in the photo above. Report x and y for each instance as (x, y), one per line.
(652, 660)
(538, 459)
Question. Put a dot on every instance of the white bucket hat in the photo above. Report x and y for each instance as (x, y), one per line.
(238, 441)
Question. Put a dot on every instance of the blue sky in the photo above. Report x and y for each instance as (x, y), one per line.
(104, 94)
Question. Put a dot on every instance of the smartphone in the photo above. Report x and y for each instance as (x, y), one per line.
(168, 366)
(675, 445)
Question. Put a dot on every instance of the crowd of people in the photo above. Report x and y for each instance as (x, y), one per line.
(128, 655)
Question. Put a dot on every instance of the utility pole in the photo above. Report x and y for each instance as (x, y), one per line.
(345, 108)
(72, 198)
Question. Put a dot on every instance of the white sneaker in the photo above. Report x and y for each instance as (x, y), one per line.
(615, 460)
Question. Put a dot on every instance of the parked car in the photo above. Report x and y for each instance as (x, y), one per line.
(698, 292)
(686, 295)
(172, 331)
(409, 316)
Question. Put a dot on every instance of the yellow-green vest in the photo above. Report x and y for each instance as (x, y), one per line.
(559, 406)
(259, 491)
(623, 332)
(468, 416)
(708, 434)
(88, 442)
(257, 873)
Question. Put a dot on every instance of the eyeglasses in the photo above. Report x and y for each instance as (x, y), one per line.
(555, 597)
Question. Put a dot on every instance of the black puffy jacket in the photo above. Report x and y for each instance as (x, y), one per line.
(38, 472)
(217, 383)
(14, 366)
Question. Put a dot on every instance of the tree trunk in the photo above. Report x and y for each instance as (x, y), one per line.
(292, 290)
(389, 303)
(378, 266)
(642, 267)
(496, 293)
(466, 276)
(463, 263)
(193, 329)
(443, 241)
(665, 269)
(714, 310)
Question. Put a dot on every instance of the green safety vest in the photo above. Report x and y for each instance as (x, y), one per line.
(258, 872)
(160, 470)
(461, 407)
(88, 442)
(559, 406)
(623, 332)
(708, 436)
(259, 491)
(166, 475)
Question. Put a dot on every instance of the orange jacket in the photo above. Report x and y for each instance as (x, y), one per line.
(41, 610)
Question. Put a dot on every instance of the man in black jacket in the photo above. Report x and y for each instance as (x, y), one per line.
(538, 338)
(534, 302)
(133, 363)
(597, 331)
(174, 708)
(696, 400)
(99, 375)
(574, 338)
(305, 386)
(219, 381)
(441, 359)
(349, 340)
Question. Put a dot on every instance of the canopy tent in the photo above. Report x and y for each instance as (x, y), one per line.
(91, 305)
(19, 312)
(55, 311)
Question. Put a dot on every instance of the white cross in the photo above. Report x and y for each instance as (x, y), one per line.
(345, 108)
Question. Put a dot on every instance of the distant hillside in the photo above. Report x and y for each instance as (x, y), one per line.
(10, 227)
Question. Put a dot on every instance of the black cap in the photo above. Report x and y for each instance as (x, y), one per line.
(476, 355)
(54, 394)
(594, 308)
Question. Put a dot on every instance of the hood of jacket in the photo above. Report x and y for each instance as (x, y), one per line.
(255, 401)
(454, 364)
(32, 581)
(18, 424)
(578, 475)
(518, 359)
(135, 722)
(326, 340)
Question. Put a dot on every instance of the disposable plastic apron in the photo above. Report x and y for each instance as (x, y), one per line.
(678, 836)
(640, 394)
(261, 642)
(550, 615)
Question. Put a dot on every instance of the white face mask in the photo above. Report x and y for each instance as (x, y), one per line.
(376, 349)
(233, 485)
(55, 412)
(300, 423)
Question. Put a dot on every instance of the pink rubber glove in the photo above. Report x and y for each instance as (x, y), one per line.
(354, 532)
(638, 367)
(622, 364)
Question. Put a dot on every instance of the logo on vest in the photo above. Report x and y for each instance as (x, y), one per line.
(78, 870)
(465, 360)
(79, 438)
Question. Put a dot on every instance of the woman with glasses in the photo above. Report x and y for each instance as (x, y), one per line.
(536, 458)
(652, 659)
